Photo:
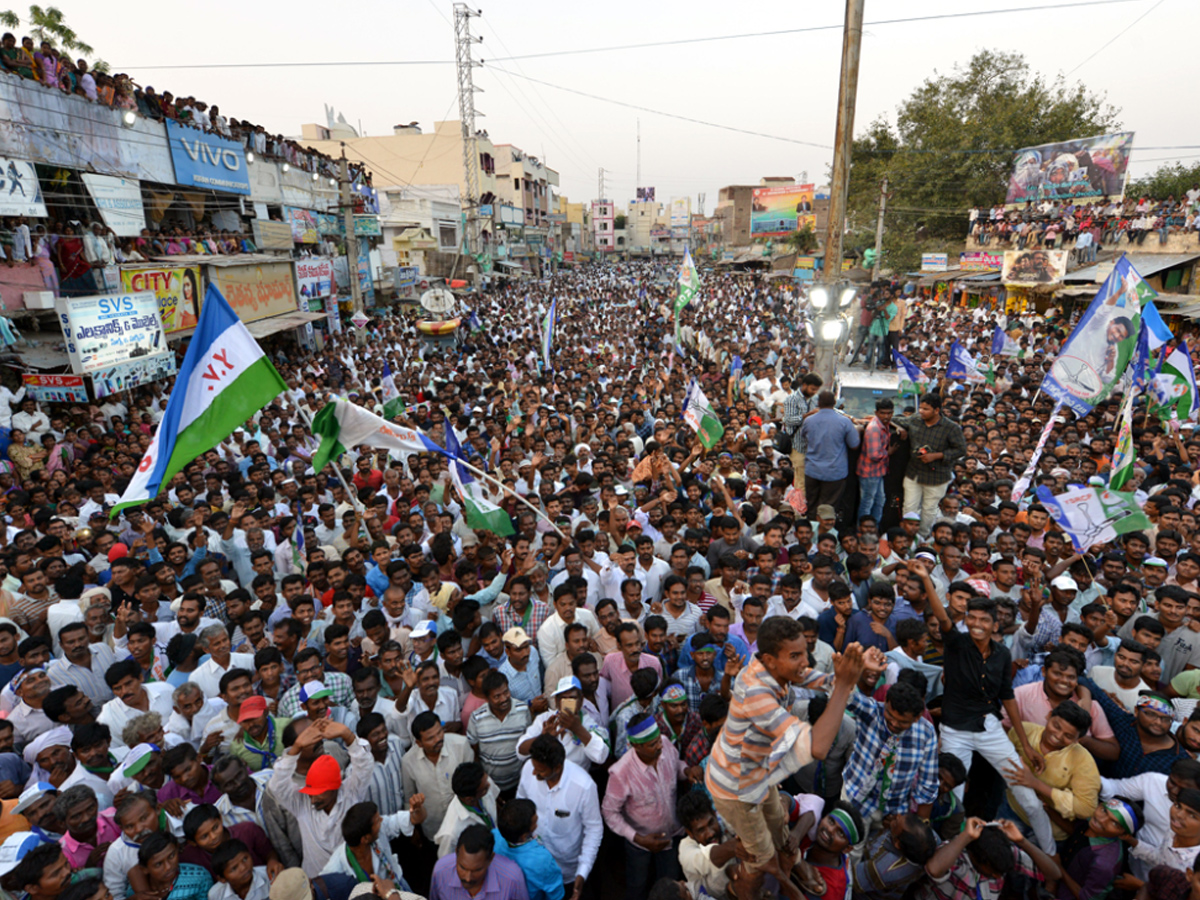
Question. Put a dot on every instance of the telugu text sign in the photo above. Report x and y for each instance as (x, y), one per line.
(103, 331)
(55, 388)
(315, 278)
(256, 291)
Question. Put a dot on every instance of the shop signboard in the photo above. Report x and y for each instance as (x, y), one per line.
(55, 388)
(176, 288)
(20, 193)
(314, 277)
(256, 291)
(206, 160)
(119, 201)
(272, 235)
(103, 331)
(934, 262)
(132, 374)
(978, 260)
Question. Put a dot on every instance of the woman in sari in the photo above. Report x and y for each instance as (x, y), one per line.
(75, 274)
(27, 458)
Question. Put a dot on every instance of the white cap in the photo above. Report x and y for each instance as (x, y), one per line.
(1064, 583)
(425, 628)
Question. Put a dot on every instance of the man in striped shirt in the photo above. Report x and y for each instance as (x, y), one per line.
(762, 743)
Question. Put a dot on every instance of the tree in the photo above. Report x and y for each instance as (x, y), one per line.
(620, 222)
(952, 148)
(48, 24)
(1168, 180)
(803, 241)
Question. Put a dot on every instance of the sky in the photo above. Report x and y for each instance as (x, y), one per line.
(783, 85)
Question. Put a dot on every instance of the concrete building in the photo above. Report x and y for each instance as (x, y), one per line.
(604, 224)
(423, 224)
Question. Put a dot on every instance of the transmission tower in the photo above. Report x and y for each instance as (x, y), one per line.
(463, 42)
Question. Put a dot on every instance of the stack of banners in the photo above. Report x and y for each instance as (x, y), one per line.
(224, 380)
(911, 370)
(1023, 482)
(1124, 450)
(1092, 361)
(548, 332)
(392, 404)
(698, 413)
(479, 511)
(1094, 515)
(1003, 345)
(341, 425)
(689, 287)
(1173, 388)
(963, 365)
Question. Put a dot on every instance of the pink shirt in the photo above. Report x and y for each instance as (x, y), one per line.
(77, 852)
(618, 674)
(640, 799)
(1035, 707)
(470, 704)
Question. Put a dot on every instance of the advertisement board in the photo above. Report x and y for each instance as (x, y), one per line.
(304, 225)
(315, 278)
(1030, 268)
(367, 226)
(645, 194)
(934, 262)
(805, 268)
(977, 259)
(781, 210)
(119, 201)
(406, 277)
(206, 160)
(20, 193)
(177, 290)
(272, 235)
(55, 388)
(134, 373)
(1083, 168)
(681, 211)
(114, 328)
(256, 291)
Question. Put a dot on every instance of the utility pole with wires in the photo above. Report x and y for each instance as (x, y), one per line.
(843, 140)
(463, 42)
(883, 197)
(347, 203)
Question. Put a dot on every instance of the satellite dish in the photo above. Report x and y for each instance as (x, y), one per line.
(438, 300)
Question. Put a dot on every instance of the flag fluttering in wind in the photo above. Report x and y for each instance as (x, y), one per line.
(479, 511)
(341, 425)
(1173, 389)
(392, 404)
(1124, 450)
(963, 365)
(225, 379)
(1003, 345)
(548, 331)
(911, 370)
(689, 286)
(473, 323)
(698, 413)
(1091, 515)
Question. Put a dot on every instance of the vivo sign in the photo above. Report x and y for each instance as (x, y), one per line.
(207, 161)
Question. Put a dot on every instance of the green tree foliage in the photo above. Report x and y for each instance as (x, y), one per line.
(990, 107)
(47, 23)
(1168, 180)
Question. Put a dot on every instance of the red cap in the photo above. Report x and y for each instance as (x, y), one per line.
(252, 708)
(323, 775)
(117, 551)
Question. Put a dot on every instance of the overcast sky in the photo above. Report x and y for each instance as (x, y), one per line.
(784, 85)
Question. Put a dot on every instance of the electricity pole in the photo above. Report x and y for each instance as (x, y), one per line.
(463, 42)
(843, 140)
(347, 204)
(883, 195)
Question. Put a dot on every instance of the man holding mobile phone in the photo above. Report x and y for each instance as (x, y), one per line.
(582, 736)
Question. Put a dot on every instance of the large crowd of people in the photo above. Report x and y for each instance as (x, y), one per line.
(821, 656)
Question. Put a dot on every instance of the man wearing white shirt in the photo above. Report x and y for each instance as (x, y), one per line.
(651, 570)
(570, 824)
(192, 713)
(132, 698)
(550, 638)
(215, 641)
(573, 560)
(34, 423)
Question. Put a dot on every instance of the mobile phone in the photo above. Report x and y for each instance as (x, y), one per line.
(570, 705)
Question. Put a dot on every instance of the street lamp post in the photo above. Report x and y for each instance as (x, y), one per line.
(829, 327)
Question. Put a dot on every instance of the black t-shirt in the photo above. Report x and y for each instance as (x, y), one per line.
(974, 686)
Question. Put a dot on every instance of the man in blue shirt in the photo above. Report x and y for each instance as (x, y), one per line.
(828, 435)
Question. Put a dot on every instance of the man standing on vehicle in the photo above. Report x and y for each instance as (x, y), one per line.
(801, 404)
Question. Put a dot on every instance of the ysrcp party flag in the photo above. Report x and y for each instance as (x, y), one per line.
(392, 404)
(699, 414)
(341, 425)
(480, 512)
(225, 379)
(548, 331)
(1092, 516)
(1174, 387)
(911, 370)
(689, 286)
(1124, 452)
(1003, 345)
(963, 365)
(1092, 361)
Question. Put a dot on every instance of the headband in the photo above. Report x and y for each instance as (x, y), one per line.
(644, 731)
(1123, 813)
(673, 693)
(846, 823)
(19, 678)
(1156, 704)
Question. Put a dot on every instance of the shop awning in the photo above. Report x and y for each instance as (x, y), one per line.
(264, 327)
(1146, 265)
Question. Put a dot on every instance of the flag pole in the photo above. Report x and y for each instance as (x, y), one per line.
(505, 489)
(337, 469)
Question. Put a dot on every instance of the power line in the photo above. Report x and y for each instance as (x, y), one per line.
(1121, 33)
(681, 41)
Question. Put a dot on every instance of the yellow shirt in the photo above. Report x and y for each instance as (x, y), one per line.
(1071, 774)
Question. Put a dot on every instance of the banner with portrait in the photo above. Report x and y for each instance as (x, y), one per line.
(781, 210)
(1032, 268)
(1090, 169)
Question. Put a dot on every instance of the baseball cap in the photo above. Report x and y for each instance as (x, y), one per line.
(568, 683)
(291, 884)
(323, 775)
(1064, 583)
(312, 691)
(138, 758)
(14, 848)
(912, 517)
(516, 637)
(253, 707)
(1155, 561)
(424, 628)
(117, 551)
(825, 511)
(32, 795)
